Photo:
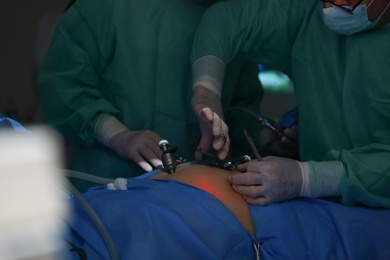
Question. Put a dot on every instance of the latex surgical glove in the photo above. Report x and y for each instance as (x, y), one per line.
(284, 145)
(321, 179)
(140, 146)
(208, 108)
(274, 179)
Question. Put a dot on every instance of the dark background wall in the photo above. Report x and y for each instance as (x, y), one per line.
(19, 28)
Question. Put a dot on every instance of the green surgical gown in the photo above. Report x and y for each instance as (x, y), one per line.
(131, 59)
(342, 83)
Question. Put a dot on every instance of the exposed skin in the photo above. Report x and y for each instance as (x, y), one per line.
(215, 182)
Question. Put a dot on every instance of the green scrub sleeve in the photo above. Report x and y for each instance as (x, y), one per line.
(221, 30)
(263, 31)
(69, 83)
(367, 176)
(208, 72)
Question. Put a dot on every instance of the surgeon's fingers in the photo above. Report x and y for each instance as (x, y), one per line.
(292, 131)
(151, 156)
(254, 167)
(243, 167)
(206, 117)
(141, 162)
(290, 137)
(246, 179)
(152, 139)
(150, 149)
(145, 150)
(250, 191)
(261, 201)
(250, 186)
(224, 151)
(288, 143)
(220, 132)
(152, 143)
(207, 114)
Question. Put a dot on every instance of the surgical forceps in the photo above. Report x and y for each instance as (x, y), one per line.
(227, 165)
(230, 165)
(267, 124)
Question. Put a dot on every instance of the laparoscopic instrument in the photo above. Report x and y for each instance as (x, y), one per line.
(264, 121)
(168, 158)
(252, 145)
(170, 163)
(216, 162)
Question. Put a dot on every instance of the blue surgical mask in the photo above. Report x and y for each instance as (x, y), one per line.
(341, 22)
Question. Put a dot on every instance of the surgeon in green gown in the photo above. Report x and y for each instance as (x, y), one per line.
(338, 56)
(117, 79)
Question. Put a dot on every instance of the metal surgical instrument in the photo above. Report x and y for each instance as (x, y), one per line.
(167, 157)
(262, 121)
(252, 145)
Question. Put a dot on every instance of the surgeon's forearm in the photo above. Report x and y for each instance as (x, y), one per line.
(321, 179)
(208, 76)
(209, 72)
(204, 97)
(107, 126)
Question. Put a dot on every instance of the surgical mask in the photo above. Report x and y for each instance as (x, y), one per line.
(341, 22)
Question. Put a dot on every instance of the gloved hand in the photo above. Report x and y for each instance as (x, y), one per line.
(140, 146)
(272, 180)
(285, 145)
(208, 108)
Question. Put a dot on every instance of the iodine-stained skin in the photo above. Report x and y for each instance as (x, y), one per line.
(214, 181)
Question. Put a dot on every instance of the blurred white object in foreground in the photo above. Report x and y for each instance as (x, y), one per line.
(30, 201)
